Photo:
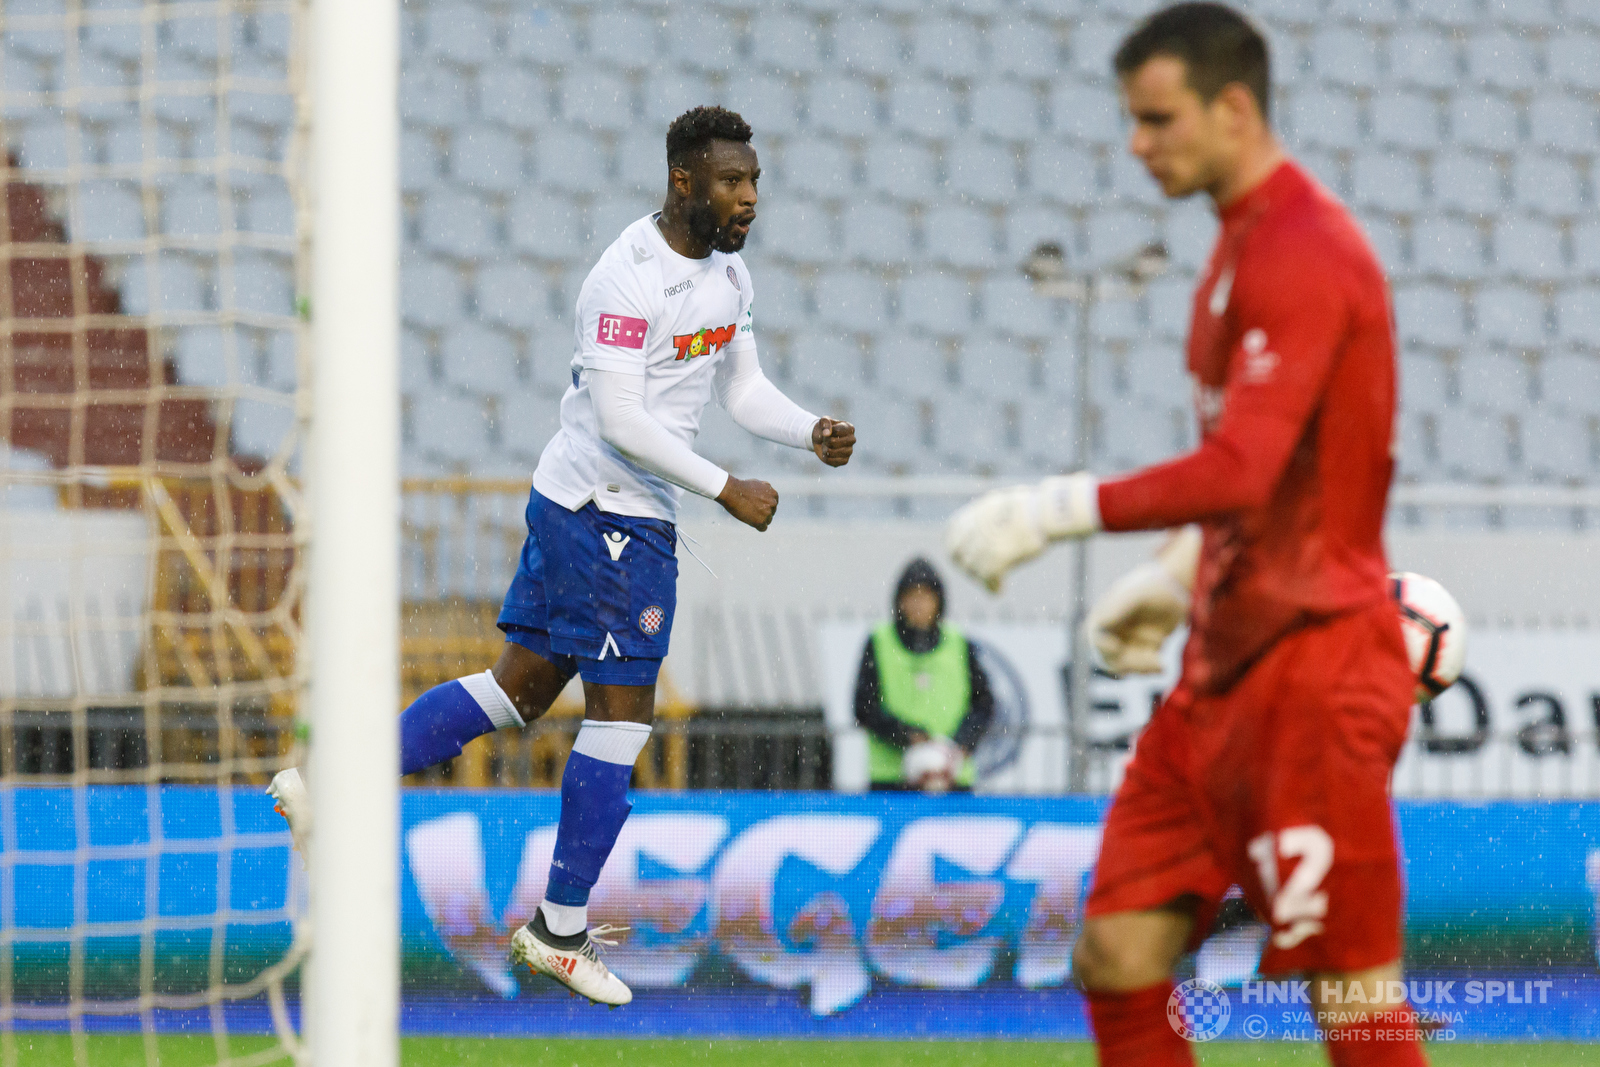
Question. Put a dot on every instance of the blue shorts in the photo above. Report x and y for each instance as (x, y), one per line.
(594, 592)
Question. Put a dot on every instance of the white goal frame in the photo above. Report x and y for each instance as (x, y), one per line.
(351, 994)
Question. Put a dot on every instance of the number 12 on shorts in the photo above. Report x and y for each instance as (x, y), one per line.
(1300, 904)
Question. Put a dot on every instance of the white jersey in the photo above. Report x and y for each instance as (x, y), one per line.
(646, 310)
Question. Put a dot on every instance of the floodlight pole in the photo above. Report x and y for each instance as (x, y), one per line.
(352, 993)
(1047, 269)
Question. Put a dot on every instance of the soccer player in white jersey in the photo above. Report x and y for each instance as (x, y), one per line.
(663, 326)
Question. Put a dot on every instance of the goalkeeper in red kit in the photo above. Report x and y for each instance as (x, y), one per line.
(1268, 765)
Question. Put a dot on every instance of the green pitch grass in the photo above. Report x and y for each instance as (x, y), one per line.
(42, 1050)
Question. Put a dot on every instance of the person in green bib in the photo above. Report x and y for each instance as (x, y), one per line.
(921, 696)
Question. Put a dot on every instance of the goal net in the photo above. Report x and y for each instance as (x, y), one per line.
(153, 387)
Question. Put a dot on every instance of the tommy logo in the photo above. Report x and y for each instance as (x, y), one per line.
(565, 965)
(690, 345)
(616, 541)
(622, 331)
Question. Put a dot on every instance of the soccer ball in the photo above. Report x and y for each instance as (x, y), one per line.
(932, 765)
(1435, 630)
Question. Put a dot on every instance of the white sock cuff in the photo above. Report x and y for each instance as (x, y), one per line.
(612, 742)
(492, 699)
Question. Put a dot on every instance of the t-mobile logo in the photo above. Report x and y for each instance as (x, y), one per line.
(622, 331)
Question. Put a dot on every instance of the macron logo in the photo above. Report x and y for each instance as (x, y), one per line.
(622, 331)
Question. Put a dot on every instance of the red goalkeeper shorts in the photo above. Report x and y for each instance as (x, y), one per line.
(1279, 786)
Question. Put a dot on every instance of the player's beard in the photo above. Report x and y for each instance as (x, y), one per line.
(703, 225)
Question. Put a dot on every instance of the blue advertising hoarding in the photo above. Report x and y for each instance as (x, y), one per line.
(758, 914)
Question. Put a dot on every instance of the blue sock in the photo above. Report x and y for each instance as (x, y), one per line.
(594, 805)
(440, 721)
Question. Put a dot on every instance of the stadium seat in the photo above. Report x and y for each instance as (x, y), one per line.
(416, 365)
(767, 102)
(189, 206)
(996, 367)
(852, 300)
(1021, 47)
(463, 33)
(844, 105)
(961, 236)
(1570, 382)
(1574, 59)
(1007, 109)
(900, 168)
(1062, 173)
(260, 428)
(1027, 227)
(1191, 232)
(822, 166)
(547, 227)
(431, 292)
(568, 159)
(1325, 117)
(1133, 434)
(487, 158)
(981, 169)
(1586, 248)
(107, 211)
(784, 41)
(668, 94)
(1548, 184)
(597, 99)
(1091, 44)
(1578, 318)
(1343, 55)
(623, 36)
(38, 42)
(937, 302)
(431, 94)
(420, 166)
(1157, 374)
(542, 34)
(947, 47)
(122, 41)
(1012, 309)
(1562, 121)
(1511, 316)
(43, 144)
(1116, 233)
(876, 232)
(450, 428)
(262, 281)
(1503, 60)
(868, 44)
(514, 95)
(1088, 113)
(797, 229)
(894, 436)
(1405, 120)
(1449, 247)
(1425, 382)
(1555, 446)
(1170, 303)
(478, 359)
(1058, 364)
(1529, 248)
(1131, 182)
(781, 300)
(1479, 120)
(923, 107)
(457, 223)
(826, 362)
(1472, 447)
(1048, 427)
(1431, 314)
(1453, 13)
(1468, 182)
(1425, 57)
(1418, 455)
(608, 217)
(908, 366)
(701, 37)
(1494, 381)
(1387, 180)
(1116, 320)
(1370, 12)
(200, 358)
(642, 162)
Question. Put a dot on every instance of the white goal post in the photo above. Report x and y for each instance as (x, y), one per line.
(351, 999)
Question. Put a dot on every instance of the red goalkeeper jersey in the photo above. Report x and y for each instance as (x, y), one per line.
(1292, 350)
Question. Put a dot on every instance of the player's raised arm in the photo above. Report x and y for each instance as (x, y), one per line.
(761, 408)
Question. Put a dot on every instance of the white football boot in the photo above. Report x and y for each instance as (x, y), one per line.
(578, 968)
(288, 789)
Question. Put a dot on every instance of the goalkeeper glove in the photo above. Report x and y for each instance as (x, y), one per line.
(1003, 528)
(1132, 620)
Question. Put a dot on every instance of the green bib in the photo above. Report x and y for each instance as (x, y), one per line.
(931, 691)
